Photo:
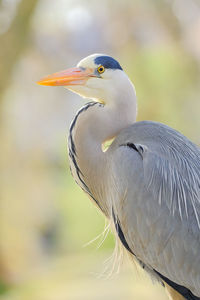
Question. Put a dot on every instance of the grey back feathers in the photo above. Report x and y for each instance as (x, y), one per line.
(157, 172)
(172, 167)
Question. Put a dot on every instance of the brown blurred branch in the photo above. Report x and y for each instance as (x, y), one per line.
(13, 41)
(12, 44)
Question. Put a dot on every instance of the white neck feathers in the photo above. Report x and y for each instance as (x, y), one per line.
(94, 124)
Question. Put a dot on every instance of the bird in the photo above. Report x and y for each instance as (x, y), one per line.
(146, 183)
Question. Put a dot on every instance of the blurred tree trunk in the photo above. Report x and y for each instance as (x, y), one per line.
(13, 41)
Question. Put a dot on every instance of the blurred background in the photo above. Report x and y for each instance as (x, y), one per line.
(45, 219)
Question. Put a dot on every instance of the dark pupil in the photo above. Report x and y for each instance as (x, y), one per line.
(101, 69)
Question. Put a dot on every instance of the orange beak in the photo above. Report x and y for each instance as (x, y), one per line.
(73, 76)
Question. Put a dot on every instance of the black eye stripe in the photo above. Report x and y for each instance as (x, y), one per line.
(108, 62)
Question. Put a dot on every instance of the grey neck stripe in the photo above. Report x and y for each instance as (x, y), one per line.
(73, 154)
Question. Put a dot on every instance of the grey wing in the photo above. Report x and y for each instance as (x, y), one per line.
(156, 173)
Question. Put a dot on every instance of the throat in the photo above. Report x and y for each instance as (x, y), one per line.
(93, 125)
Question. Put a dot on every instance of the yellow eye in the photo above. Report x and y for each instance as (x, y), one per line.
(101, 69)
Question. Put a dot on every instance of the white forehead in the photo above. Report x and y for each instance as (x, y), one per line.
(88, 62)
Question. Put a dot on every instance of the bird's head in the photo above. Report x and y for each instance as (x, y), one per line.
(97, 77)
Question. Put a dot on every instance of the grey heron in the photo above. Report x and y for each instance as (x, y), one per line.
(147, 182)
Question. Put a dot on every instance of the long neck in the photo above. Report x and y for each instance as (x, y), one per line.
(93, 125)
